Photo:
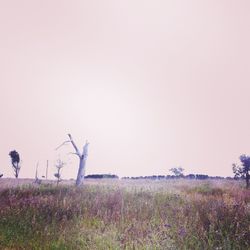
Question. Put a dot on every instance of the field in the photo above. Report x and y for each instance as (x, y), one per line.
(125, 214)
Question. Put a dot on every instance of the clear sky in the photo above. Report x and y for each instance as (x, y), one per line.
(150, 84)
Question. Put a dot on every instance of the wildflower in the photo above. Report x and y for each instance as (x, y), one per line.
(182, 232)
(167, 225)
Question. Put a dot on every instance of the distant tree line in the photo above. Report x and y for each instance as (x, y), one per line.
(156, 177)
(189, 176)
(101, 176)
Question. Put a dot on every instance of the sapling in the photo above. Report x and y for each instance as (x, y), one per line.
(59, 165)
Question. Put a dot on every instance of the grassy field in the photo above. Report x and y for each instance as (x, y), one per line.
(125, 214)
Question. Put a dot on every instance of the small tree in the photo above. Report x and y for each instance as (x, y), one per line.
(243, 170)
(59, 165)
(15, 160)
(178, 172)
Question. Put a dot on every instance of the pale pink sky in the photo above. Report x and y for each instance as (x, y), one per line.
(151, 84)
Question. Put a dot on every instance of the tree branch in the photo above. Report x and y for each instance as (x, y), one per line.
(62, 144)
(71, 153)
(85, 150)
(74, 145)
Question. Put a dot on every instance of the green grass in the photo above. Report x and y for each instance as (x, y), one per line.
(126, 215)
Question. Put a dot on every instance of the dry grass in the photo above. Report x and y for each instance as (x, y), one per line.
(125, 214)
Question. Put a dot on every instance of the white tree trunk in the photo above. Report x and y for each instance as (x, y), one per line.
(82, 160)
(81, 172)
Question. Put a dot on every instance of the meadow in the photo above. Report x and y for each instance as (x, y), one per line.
(125, 214)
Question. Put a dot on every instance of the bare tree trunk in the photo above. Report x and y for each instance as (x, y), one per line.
(16, 170)
(80, 174)
(47, 170)
(36, 175)
(247, 180)
(82, 160)
(16, 173)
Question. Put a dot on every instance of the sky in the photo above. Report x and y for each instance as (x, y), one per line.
(150, 84)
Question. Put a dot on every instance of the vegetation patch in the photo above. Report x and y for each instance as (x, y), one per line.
(126, 215)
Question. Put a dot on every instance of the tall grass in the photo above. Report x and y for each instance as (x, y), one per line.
(126, 215)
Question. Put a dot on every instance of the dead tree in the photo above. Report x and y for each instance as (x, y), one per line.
(59, 165)
(37, 180)
(47, 167)
(82, 159)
